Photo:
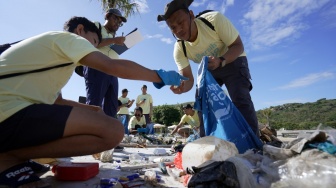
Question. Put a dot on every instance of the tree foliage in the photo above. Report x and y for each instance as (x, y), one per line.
(166, 114)
(296, 116)
(129, 7)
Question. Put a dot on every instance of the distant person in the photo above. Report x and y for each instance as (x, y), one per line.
(222, 43)
(36, 122)
(137, 121)
(126, 103)
(191, 117)
(145, 101)
(101, 88)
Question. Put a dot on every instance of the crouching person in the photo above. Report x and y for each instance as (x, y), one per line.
(36, 122)
(191, 117)
(137, 121)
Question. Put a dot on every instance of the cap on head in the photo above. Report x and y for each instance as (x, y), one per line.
(117, 13)
(187, 106)
(124, 90)
(172, 7)
(144, 86)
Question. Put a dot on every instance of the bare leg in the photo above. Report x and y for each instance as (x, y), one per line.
(86, 132)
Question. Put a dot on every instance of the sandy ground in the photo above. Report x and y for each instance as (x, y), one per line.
(108, 170)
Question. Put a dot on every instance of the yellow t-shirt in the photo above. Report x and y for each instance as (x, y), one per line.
(106, 49)
(44, 50)
(133, 121)
(193, 121)
(145, 106)
(208, 42)
(123, 110)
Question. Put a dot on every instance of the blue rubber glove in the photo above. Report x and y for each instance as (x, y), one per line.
(169, 78)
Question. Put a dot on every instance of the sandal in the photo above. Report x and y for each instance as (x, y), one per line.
(38, 168)
(19, 175)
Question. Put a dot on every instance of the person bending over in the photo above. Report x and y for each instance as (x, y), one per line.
(191, 117)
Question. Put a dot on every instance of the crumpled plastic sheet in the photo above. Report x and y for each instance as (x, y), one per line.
(311, 169)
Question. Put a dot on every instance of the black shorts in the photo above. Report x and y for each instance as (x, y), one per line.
(34, 125)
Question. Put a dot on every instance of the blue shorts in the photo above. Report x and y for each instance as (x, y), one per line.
(34, 125)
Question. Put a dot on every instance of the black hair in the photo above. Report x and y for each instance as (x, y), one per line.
(72, 24)
(138, 108)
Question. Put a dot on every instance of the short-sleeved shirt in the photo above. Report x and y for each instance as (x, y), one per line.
(41, 51)
(145, 106)
(208, 42)
(193, 120)
(124, 109)
(106, 49)
(133, 121)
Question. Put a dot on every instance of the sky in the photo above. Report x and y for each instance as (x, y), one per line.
(290, 45)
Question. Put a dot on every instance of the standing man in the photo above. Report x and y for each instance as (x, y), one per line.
(102, 89)
(126, 103)
(222, 43)
(145, 101)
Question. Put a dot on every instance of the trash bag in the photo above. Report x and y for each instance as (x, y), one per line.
(220, 116)
(213, 175)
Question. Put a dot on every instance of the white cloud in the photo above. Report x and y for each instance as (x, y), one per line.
(153, 36)
(160, 37)
(142, 6)
(329, 14)
(162, 25)
(167, 40)
(211, 6)
(264, 58)
(221, 6)
(308, 80)
(271, 22)
(198, 3)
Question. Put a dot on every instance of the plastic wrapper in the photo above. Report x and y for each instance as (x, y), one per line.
(311, 169)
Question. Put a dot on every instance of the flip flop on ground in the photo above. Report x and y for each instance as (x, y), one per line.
(21, 175)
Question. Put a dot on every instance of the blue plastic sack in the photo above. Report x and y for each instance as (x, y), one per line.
(221, 118)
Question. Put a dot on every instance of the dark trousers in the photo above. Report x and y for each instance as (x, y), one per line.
(236, 77)
(148, 119)
(101, 90)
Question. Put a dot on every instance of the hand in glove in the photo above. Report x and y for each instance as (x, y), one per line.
(169, 78)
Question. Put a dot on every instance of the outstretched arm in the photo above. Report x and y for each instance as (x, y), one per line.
(119, 67)
(186, 85)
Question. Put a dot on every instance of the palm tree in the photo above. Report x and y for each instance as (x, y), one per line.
(123, 5)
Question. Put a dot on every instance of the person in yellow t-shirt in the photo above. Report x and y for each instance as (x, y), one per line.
(35, 120)
(217, 38)
(191, 117)
(145, 101)
(126, 103)
(101, 88)
(137, 121)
